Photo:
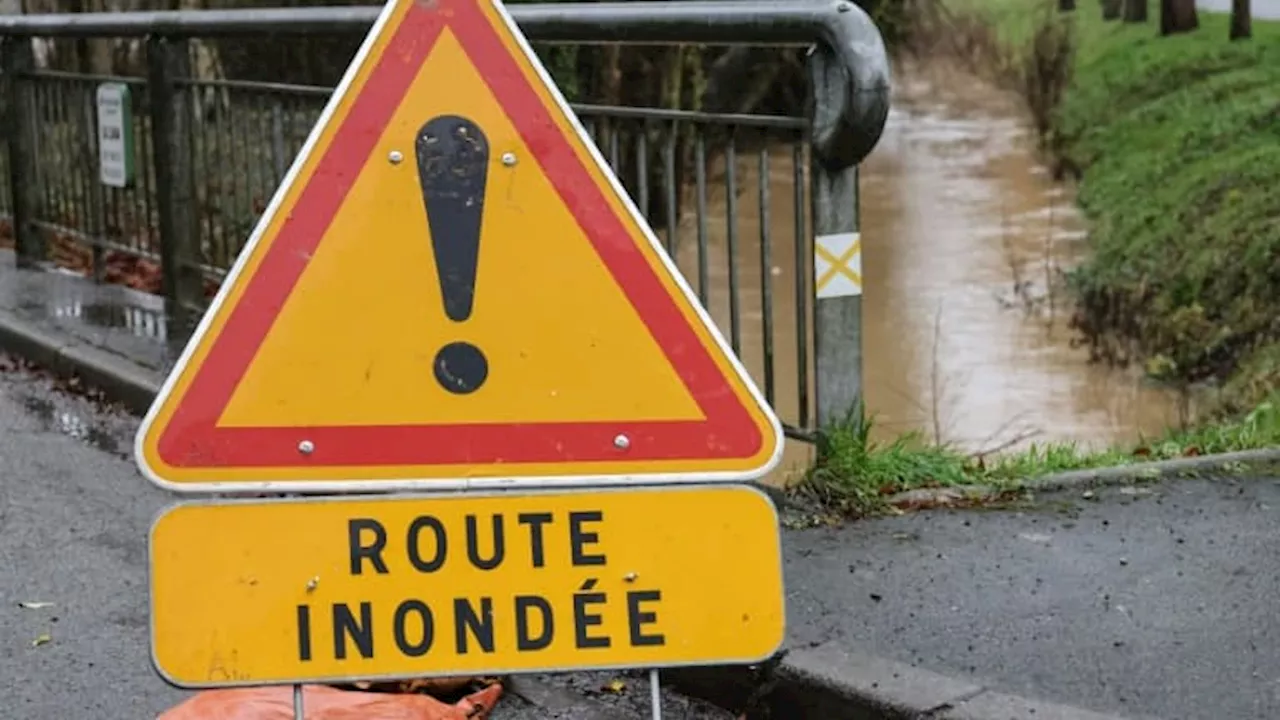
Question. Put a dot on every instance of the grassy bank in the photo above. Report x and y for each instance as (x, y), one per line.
(1176, 144)
(856, 475)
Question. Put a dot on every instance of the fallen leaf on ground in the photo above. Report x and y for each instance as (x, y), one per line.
(43, 639)
(616, 685)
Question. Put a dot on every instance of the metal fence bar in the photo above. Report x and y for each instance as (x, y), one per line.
(93, 190)
(669, 167)
(731, 240)
(175, 195)
(6, 130)
(801, 283)
(859, 100)
(20, 131)
(29, 98)
(700, 185)
(766, 278)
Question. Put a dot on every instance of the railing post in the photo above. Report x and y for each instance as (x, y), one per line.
(23, 168)
(837, 258)
(171, 120)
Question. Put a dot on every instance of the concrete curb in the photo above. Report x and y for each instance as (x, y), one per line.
(1098, 477)
(830, 683)
(119, 378)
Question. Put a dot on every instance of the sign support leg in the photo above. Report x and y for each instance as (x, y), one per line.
(655, 694)
(297, 702)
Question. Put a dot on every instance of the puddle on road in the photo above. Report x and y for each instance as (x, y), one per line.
(115, 316)
(71, 424)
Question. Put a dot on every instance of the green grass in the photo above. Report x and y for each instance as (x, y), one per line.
(1178, 143)
(855, 475)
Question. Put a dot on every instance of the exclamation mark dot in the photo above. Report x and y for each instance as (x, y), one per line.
(453, 162)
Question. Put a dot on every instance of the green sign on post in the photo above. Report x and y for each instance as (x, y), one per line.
(115, 135)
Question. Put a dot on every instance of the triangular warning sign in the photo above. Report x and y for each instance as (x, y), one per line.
(450, 288)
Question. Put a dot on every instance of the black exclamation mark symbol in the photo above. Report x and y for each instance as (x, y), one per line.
(453, 162)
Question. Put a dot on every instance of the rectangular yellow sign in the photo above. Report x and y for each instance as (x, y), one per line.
(346, 588)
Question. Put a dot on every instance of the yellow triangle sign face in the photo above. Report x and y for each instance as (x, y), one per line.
(451, 289)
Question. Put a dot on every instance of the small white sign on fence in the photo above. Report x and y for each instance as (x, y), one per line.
(115, 135)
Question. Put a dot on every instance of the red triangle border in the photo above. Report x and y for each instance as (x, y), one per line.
(192, 438)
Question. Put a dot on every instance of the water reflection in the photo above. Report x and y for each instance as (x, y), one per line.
(964, 236)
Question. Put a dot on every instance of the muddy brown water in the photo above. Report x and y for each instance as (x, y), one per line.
(964, 232)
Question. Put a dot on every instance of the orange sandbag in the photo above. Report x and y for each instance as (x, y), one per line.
(320, 702)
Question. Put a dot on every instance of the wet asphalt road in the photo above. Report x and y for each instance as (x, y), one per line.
(1156, 600)
(74, 515)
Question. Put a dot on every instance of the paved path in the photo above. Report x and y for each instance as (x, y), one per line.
(1143, 601)
(1156, 600)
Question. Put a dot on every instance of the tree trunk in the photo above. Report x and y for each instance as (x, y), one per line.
(1241, 20)
(99, 53)
(1178, 16)
(1135, 11)
(1111, 9)
(1066, 5)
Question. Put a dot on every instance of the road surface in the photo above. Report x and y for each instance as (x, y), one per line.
(1154, 600)
(74, 515)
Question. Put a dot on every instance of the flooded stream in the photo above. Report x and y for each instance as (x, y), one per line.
(964, 233)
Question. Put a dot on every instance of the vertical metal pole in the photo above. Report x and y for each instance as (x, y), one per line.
(280, 160)
(20, 132)
(297, 702)
(655, 695)
(837, 262)
(171, 120)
